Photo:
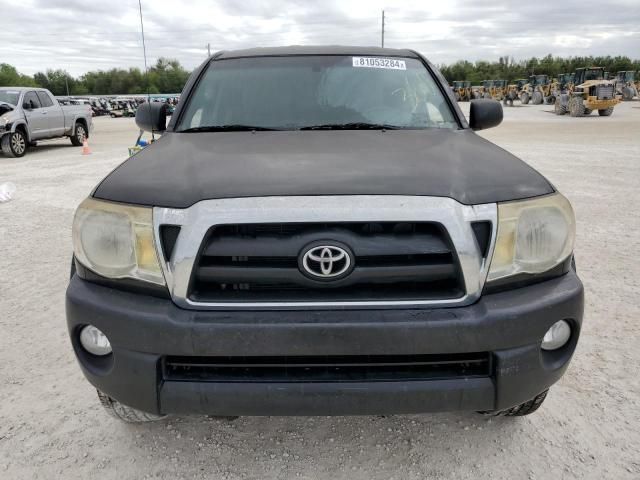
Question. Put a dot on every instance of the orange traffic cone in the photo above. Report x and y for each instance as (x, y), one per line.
(85, 147)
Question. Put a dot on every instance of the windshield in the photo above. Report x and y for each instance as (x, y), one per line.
(294, 92)
(593, 74)
(9, 96)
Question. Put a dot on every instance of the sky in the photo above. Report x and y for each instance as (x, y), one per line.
(83, 35)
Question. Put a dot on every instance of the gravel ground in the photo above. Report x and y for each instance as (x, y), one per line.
(53, 427)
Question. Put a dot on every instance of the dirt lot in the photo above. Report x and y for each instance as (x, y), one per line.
(53, 427)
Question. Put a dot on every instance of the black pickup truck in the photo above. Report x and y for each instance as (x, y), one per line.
(319, 231)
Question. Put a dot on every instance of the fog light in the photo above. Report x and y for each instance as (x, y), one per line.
(556, 336)
(94, 341)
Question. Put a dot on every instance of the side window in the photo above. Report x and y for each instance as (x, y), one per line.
(45, 101)
(31, 101)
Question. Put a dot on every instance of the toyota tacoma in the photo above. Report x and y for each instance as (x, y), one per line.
(320, 231)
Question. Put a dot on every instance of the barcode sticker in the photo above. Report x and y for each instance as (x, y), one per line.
(377, 62)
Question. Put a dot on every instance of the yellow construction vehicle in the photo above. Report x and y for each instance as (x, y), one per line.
(495, 89)
(626, 85)
(512, 91)
(590, 92)
(462, 91)
(533, 90)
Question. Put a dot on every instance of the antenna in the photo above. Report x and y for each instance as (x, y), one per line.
(144, 52)
(382, 28)
(146, 71)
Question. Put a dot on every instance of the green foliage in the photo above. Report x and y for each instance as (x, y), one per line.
(166, 76)
(9, 77)
(507, 69)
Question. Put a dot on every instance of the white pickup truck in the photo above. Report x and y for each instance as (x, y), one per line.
(31, 114)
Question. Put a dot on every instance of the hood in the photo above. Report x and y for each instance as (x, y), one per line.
(181, 169)
(591, 83)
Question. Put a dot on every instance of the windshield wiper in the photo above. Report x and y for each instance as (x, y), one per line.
(227, 128)
(352, 126)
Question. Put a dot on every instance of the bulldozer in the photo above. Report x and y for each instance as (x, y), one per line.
(536, 90)
(462, 91)
(590, 92)
(626, 85)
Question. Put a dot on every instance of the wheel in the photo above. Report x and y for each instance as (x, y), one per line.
(79, 135)
(537, 98)
(550, 100)
(587, 111)
(576, 107)
(605, 112)
(125, 413)
(524, 98)
(486, 95)
(558, 108)
(457, 96)
(627, 93)
(14, 144)
(521, 410)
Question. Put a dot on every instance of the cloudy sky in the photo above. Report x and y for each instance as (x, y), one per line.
(82, 35)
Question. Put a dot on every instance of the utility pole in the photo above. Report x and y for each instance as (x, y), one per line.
(382, 28)
(208, 49)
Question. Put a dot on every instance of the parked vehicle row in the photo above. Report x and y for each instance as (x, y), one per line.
(577, 93)
(122, 106)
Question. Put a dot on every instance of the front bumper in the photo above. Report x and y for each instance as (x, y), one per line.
(143, 330)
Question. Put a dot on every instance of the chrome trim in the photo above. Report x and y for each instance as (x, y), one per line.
(200, 217)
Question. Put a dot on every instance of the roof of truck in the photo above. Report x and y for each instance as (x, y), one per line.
(23, 89)
(315, 50)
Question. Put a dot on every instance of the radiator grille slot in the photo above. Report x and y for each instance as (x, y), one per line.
(604, 92)
(261, 262)
(327, 368)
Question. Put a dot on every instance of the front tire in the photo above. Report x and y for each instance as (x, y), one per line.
(558, 108)
(605, 112)
(79, 135)
(524, 98)
(523, 409)
(537, 98)
(125, 413)
(576, 107)
(14, 144)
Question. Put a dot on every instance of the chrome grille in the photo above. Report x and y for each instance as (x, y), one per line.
(182, 244)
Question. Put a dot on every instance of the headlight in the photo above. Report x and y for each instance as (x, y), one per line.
(533, 236)
(116, 241)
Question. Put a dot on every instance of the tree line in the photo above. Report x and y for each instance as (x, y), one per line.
(507, 68)
(168, 76)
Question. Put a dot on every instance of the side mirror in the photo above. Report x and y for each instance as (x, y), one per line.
(152, 117)
(485, 113)
(26, 106)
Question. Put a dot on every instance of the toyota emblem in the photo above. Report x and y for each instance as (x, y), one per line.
(324, 261)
